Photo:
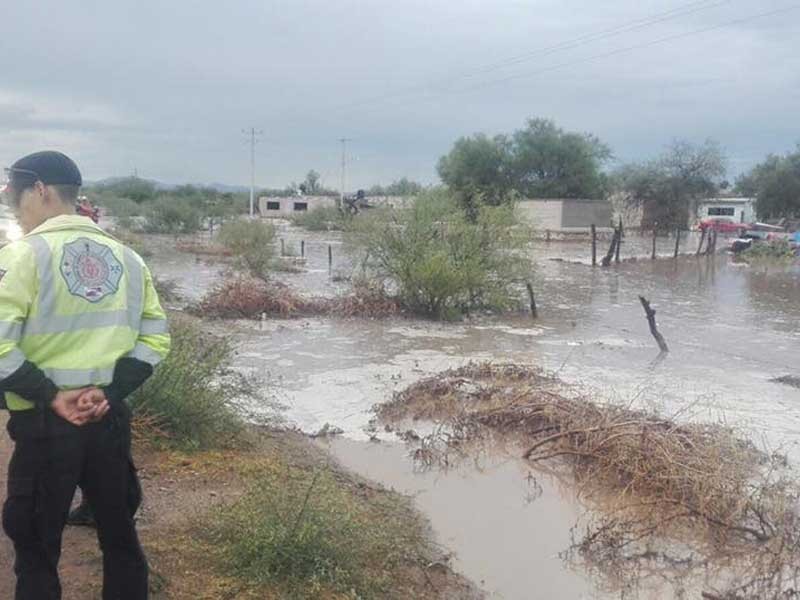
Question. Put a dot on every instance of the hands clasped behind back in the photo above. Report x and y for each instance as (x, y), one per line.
(81, 406)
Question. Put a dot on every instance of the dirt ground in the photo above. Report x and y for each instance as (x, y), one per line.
(179, 488)
(171, 491)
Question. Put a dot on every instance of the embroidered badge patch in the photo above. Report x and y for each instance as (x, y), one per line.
(90, 269)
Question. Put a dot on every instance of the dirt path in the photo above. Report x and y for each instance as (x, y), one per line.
(172, 490)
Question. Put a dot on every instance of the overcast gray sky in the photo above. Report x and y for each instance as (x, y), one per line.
(166, 87)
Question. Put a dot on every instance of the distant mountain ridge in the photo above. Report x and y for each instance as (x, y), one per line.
(159, 185)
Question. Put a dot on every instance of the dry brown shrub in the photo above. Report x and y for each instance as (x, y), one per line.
(248, 298)
(647, 477)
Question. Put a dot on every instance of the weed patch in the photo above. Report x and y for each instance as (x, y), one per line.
(194, 399)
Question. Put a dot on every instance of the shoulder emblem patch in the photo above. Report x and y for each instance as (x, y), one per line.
(90, 269)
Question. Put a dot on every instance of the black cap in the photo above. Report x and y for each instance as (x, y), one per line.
(49, 167)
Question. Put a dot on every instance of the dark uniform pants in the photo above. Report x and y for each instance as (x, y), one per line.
(50, 459)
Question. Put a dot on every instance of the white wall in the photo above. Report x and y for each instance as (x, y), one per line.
(287, 204)
(542, 214)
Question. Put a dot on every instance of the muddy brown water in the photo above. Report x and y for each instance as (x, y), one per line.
(732, 329)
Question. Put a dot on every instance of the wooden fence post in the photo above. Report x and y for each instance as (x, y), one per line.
(330, 258)
(614, 242)
(534, 312)
(700, 245)
(594, 245)
(677, 241)
(655, 233)
(302, 248)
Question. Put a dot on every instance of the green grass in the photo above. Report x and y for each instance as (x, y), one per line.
(194, 399)
(311, 533)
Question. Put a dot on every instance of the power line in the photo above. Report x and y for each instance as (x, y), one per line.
(252, 132)
(344, 168)
(691, 8)
(629, 48)
(683, 10)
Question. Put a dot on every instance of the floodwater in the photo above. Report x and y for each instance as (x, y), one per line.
(731, 328)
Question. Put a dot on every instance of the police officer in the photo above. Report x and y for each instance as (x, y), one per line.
(81, 328)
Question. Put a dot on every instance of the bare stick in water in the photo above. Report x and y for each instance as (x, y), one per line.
(534, 312)
(651, 320)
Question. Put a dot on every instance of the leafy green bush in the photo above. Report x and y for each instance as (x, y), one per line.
(173, 215)
(194, 399)
(325, 218)
(118, 206)
(252, 244)
(441, 262)
(779, 250)
(313, 533)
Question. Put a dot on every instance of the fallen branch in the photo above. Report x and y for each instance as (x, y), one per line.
(651, 320)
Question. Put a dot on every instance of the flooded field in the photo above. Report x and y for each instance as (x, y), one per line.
(731, 329)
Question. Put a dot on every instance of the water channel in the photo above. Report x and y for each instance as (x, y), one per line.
(731, 328)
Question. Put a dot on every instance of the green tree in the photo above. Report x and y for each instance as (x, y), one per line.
(669, 187)
(311, 184)
(442, 263)
(775, 183)
(137, 189)
(477, 170)
(548, 162)
(173, 215)
(399, 187)
(539, 161)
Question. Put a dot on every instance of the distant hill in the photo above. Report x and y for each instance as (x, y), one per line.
(159, 185)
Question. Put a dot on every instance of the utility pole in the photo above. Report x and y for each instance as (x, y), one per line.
(252, 132)
(344, 169)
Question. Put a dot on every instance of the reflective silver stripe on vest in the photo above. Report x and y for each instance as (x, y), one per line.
(62, 323)
(144, 353)
(10, 330)
(135, 288)
(48, 321)
(11, 362)
(47, 283)
(153, 326)
(80, 377)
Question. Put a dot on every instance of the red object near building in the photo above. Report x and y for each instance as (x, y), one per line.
(722, 225)
(85, 209)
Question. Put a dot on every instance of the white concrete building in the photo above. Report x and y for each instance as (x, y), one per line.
(739, 210)
(566, 215)
(285, 206)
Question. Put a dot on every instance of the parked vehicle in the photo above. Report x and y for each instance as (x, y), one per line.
(723, 225)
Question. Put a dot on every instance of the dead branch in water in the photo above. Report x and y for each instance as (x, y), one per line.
(651, 320)
(692, 483)
(615, 241)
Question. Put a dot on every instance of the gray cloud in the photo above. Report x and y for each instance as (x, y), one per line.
(166, 87)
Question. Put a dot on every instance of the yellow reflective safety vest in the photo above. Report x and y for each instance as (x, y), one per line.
(74, 300)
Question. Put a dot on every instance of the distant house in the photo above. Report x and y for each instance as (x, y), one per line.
(285, 206)
(740, 210)
(282, 207)
(566, 215)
